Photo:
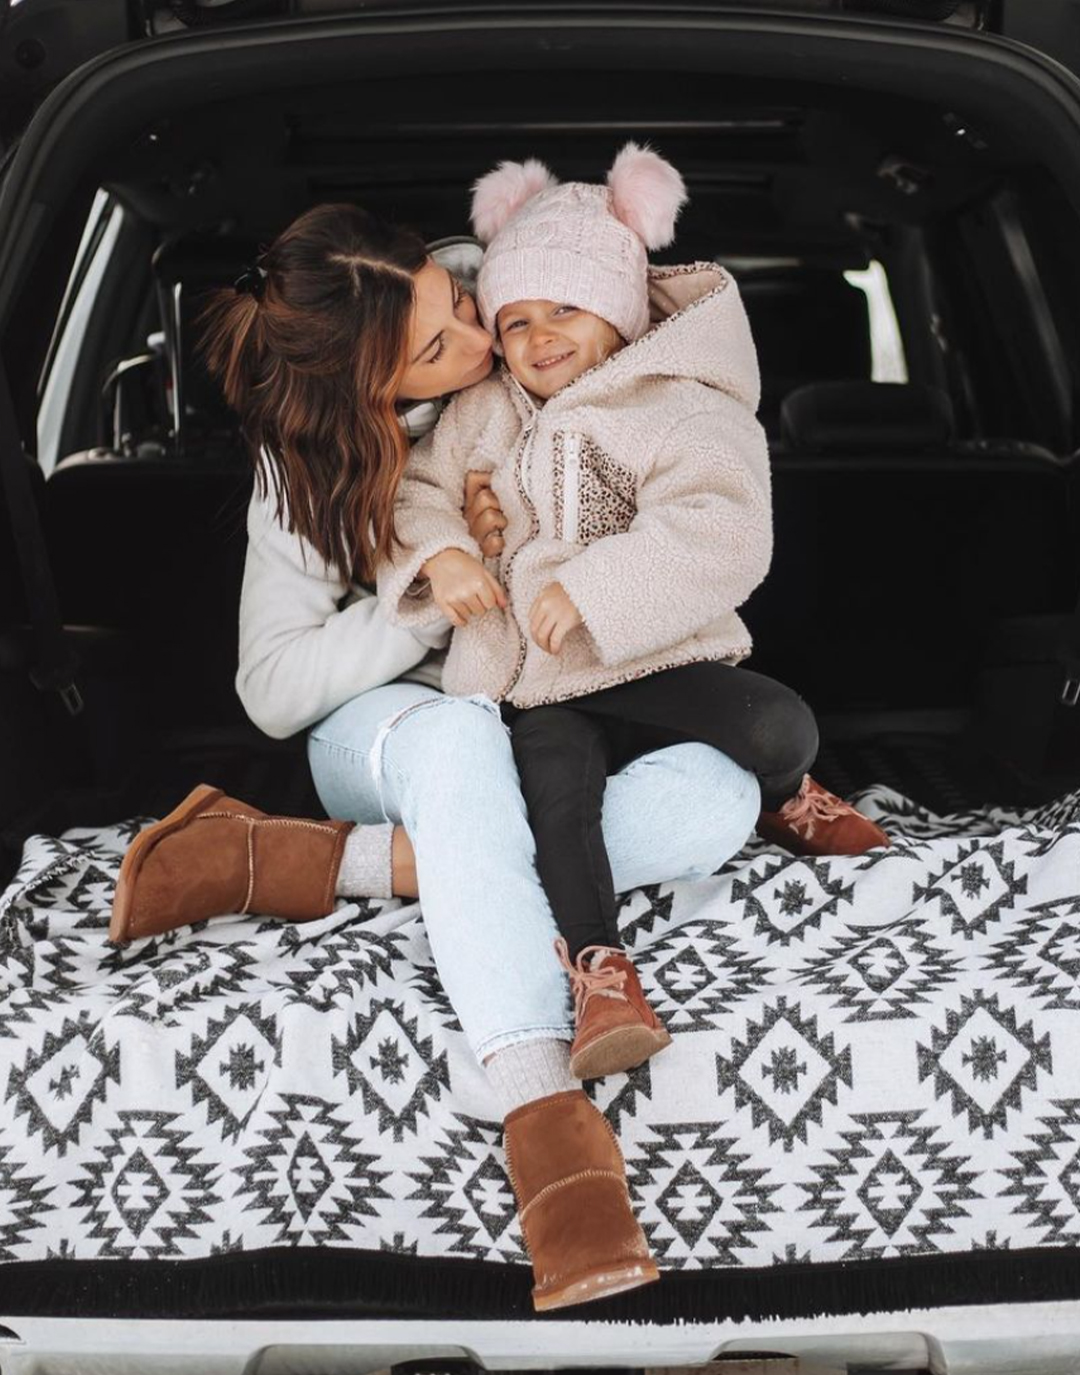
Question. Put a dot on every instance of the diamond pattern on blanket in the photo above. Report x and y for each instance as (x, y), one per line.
(58, 1088)
(394, 1068)
(892, 1189)
(310, 1180)
(984, 1060)
(975, 886)
(701, 1197)
(787, 900)
(144, 1191)
(1041, 954)
(1046, 1176)
(785, 1072)
(882, 973)
(465, 1190)
(872, 1057)
(229, 1068)
(700, 972)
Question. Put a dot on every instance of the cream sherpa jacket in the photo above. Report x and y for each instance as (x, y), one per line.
(642, 487)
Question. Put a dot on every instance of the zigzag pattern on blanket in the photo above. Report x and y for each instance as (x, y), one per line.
(873, 1059)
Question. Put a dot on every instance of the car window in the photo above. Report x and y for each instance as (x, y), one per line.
(888, 363)
(998, 315)
(99, 239)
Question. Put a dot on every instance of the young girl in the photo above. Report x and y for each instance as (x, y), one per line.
(634, 479)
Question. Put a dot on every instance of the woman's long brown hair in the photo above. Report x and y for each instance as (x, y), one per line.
(313, 368)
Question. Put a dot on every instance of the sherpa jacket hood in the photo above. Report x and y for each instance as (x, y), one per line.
(642, 487)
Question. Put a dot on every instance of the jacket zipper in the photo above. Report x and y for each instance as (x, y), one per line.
(524, 450)
(521, 476)
(526, 465)
(571, 487)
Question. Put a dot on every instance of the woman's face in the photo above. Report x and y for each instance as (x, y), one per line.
(448, 348)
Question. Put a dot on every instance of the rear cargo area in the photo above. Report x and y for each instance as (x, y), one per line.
(871, 1103)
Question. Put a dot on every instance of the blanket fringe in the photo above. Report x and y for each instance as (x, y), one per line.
(339, 1283)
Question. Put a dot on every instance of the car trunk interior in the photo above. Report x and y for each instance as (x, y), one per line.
(925, 564)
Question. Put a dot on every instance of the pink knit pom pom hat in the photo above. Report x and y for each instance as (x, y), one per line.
(576, 243)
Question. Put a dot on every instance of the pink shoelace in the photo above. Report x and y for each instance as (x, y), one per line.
(586, 980)
(808, 807)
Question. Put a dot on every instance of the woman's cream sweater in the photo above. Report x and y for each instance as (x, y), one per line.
(310, 642)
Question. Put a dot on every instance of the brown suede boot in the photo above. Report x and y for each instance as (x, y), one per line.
(569, 1180)
(817, 822)
(215, 855)
(615, 1029)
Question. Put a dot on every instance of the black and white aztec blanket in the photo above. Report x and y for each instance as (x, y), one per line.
(872, 1057)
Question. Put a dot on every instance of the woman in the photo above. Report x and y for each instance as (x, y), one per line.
(335, 350)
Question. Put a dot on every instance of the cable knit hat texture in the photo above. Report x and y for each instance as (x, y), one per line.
(578, 243)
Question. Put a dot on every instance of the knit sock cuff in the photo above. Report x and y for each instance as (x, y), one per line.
(367, 868)
(530, 1070)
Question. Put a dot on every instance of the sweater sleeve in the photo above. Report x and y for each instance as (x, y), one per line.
(428, 518)
(300, 655)
(700, 543)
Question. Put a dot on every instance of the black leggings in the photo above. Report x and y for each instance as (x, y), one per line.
(564, 754)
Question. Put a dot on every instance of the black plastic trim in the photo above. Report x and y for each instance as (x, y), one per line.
(113, 93)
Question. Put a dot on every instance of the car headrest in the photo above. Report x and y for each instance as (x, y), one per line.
(202, 259)
(809, 325)
(866, 417)
(185, 270)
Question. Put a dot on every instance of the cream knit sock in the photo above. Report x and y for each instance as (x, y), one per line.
(367, 869)
(529, 1070)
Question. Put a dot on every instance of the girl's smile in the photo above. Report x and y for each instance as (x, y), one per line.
(554, 360)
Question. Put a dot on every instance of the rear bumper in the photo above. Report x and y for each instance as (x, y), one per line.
(1042, 1338)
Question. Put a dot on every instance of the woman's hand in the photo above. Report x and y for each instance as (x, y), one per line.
(483, 514)
(462, 586)
(552, 618)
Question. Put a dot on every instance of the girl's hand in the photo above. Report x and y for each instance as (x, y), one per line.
(483, 514)
(461, 586)
(552, 618)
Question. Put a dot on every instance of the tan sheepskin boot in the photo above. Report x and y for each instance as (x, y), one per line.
(214, 855)
(569, 1180)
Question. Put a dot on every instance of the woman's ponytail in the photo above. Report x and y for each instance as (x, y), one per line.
(313, 365)
(229, 345)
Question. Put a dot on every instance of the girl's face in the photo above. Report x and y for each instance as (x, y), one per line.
(448, 348)
(547, 344)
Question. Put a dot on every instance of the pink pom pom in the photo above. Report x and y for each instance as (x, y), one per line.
(499, 195)
(648, 194)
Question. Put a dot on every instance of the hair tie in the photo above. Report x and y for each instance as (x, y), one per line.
(252, 282)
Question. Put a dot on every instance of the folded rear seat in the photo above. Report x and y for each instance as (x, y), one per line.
(152, 543)
(154, 548)
(898, 547)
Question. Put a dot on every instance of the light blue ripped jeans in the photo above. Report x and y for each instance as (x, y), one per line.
(443, 768)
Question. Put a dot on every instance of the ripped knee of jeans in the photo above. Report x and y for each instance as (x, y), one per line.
(445, 705)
